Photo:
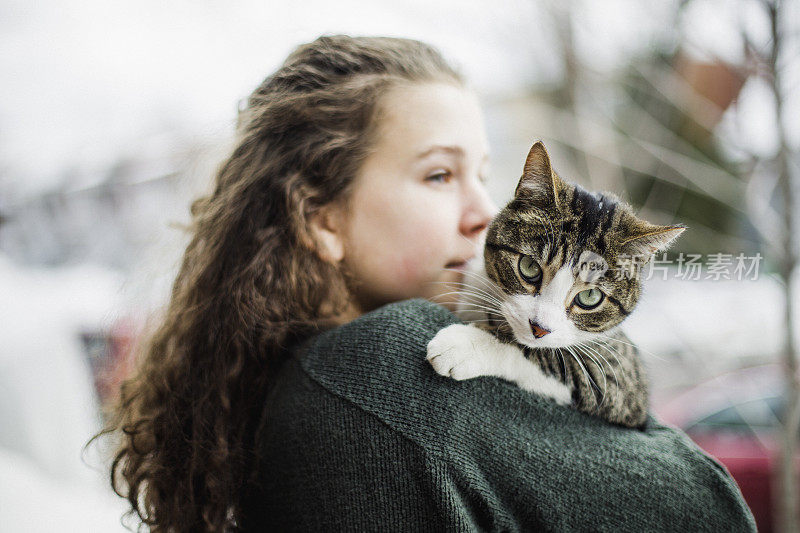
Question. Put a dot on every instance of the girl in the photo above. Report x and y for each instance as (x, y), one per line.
(281, 392)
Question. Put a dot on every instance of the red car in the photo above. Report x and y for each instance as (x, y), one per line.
(110, 354)
(735, 418)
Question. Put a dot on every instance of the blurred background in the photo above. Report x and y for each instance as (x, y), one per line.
(114, 115)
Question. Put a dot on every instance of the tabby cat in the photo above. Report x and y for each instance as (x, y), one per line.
(561, 271)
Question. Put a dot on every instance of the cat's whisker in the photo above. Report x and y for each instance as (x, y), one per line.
(605, 378)
(610, 366)
(457, 283)
(475, 299)
(471, 297)
(485, 295)
(635, 347)
(485, 305)
(583, 368)
(468, 298)
(606, 344)
(563, 364)
(488, 314)
(592, 382)
(488, 310)
(487, 284)
(611, 351)
(615, 339)
(607, 348)
(482, 296)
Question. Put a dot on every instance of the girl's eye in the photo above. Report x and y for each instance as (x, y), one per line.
(529, 269)
(589, 299)
(442, 176)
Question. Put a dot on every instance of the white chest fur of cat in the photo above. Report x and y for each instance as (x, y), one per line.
(560, 271)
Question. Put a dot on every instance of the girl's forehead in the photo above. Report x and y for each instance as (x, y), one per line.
(426, 120)
(452, 150)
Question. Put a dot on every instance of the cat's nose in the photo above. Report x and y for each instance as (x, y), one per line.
(538, 331)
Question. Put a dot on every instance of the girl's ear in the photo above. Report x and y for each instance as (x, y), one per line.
(327, 227)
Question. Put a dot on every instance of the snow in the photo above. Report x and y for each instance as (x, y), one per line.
(35, 502)
(724, 319)
(607, 34)
(691, 331)
(48, 408)
(750, 123)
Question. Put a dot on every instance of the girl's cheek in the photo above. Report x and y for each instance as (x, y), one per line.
(397, 269)
(408, 270)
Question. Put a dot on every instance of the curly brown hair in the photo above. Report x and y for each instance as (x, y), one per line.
(251, 282)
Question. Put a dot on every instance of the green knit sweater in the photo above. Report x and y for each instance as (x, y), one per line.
(362, 435)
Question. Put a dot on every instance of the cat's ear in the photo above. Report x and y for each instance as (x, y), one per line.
(539, 183)
(642, 239)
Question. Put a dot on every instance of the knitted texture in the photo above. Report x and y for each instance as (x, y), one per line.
(361, 434)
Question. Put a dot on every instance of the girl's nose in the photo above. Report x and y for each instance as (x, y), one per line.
(478, 211)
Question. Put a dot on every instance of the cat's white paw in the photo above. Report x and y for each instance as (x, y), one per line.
(556, 390)
(462, 352)
(458, 351)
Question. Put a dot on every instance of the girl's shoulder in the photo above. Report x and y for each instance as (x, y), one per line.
(378, 363)
(382, 350)
(368, 383)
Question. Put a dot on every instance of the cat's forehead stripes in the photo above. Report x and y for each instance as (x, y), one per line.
(582, 223)
(593, 215)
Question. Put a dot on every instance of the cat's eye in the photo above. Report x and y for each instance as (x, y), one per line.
(589, 299)
(529, 269)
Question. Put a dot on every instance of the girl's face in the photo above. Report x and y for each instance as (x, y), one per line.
(418, 206)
